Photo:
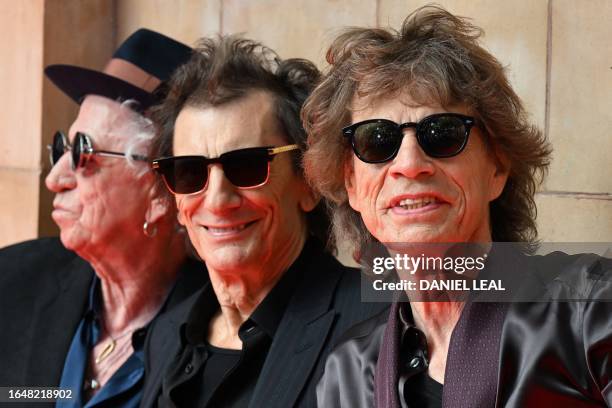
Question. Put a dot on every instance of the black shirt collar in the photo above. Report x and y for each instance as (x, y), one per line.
(266, 316)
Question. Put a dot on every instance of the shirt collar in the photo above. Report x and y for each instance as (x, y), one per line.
(412, 340)
(94, 300)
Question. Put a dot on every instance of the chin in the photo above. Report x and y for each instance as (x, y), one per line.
(71, 239)
(229, 258)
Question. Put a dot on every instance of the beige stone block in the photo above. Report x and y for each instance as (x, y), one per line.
(574, 218)
(21, 53)
(183, 20)
(515, 33)
(91, 48)
(46, 226)
(18, 205)
(299, 28)
(581, 96)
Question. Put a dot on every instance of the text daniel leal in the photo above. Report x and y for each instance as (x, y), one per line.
(442, 284)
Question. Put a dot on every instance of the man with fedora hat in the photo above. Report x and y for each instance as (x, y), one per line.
(75, 310)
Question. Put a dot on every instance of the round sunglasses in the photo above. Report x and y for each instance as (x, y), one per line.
(440, 135)
(244, 168)
(82, 150)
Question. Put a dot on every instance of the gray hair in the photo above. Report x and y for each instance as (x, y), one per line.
(136, 130)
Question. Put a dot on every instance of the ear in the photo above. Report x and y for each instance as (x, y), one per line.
(309, 199)
(159, 205)
(500, 175)
(350, 184)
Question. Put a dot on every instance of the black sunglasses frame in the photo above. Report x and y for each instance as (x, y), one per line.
(82, 150)
(267, 152)
(468, 122)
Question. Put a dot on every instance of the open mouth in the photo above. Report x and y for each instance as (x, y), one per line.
(416, 203)
(234, 229)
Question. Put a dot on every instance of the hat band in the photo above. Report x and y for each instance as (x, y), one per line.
(132, 74)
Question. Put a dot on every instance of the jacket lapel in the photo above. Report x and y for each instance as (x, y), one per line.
(299, 339)
(387, 367)
(166, 328)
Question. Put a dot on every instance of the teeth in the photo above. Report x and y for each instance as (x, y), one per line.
(413, 204)
(215, 230)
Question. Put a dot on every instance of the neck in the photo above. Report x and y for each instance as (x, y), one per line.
(437, 320)
(135, 281)
(240, 291)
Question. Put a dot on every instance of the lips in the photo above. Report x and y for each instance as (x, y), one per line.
(62, 216)
(416, 203)
(228, 230)
(416, 200)
(61, 210)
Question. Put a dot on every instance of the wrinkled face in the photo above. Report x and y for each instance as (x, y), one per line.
(235, 230)
(104, 202)
(416, 198)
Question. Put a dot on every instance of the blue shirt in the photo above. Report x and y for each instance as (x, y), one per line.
(124, 388)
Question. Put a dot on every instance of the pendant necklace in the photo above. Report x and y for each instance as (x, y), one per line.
(110, 346)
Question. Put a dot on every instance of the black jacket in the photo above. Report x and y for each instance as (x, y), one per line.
(43, 295)
(325, 304)
(545, 353)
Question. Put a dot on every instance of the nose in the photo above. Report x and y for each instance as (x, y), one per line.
(221, 195)
(61, 177)
(411, 161)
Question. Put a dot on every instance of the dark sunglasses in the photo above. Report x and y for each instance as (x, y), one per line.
(82, 150)
(440, 135)
(244, 168)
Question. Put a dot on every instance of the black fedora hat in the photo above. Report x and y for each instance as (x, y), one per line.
(144, 61)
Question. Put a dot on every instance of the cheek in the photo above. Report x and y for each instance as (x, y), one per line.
(267, 203)
(186, 207)
(90, 202)
(473, 179)
(369, 182)
(278, 203)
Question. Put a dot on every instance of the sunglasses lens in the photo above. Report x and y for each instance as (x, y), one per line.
(77, 149)
(184, 175)
(58, 147)
(246, 169)
(376, 142)
(442, 136)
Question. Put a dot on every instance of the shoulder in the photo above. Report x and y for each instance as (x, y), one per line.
(42, 250)
(348, 378)
(33, 264)
(365, 333)
(347, 298)
(576, 305)
(574, 277)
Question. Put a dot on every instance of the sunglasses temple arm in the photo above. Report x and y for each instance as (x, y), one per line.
(282, 149)
(107, 153)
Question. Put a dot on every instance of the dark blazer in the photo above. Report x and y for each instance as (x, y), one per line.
(43, 295)
(325, 303)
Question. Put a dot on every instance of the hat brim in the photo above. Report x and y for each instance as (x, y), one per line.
(78, 82)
